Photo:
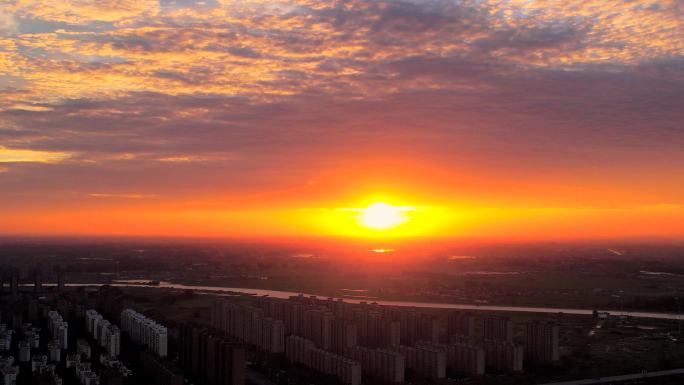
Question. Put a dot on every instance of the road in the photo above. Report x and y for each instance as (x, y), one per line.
(622, 378)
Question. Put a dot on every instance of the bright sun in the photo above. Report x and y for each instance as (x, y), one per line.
(382, 216)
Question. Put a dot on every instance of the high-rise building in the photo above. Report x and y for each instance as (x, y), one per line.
(466, 358)
(8, 371)
(54, 351)
(338, 307)
(426, 360)
(24, 351)
(83, 348)
(110, 340)
(105, 333)
(462, 355)
(38, 362)
(145, 331)
(160, 369)
(344, 335)
(59, 329)
(503, 356)
(297, 349)
(417, 326)
(375, 330)
(5, 337)
(248, 324)
(381, 364)
(317, 326)
(498, 329)
(93, 318)
(72, 359)
(460, 323)
(85, 374)
(293, 313)
(32, 335)
(211, 358)
(541, 342)
(303, 351)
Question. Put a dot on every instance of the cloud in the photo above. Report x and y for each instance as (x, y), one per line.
(8, 24)
(203, 158)
(8, 155)
(262, 49)
(165, 97)
(124, 196)
(86, 11)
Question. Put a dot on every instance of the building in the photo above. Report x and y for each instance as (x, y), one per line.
(248, 324)
(210, 358)
(344, 335)
(8, 371)
(425, 360)
(32, 335)
(5, 337)
(47, 377)
(59, 329)
(503, 356)
(100, 330)
(72, 360)
(375, 330)
(54, 351)
(93, 318)
(317, 326)
(303, 351)
(498, 329)
(38, 363)
(466, 358)
(460, 323)
(110, 340)
(417, 326)
(83, 348)
(24, 351)
(271, 337)
(297, 349)
(145, 331)
(160, 369)
(381, 364)
(346, 371)
(541, 342)
(293, 313)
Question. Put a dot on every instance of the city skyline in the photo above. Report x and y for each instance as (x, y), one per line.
(488, 119)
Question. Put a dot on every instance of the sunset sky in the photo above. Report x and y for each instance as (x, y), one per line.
(509, 119)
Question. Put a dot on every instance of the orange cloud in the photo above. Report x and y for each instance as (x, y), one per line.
(8, 155)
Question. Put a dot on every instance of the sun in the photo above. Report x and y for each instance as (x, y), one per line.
(383, 216)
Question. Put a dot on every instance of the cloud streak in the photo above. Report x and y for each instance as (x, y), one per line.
(8, 155)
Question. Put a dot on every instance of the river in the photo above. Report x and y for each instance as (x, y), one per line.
(431, 305)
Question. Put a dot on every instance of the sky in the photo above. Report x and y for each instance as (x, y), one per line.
(489, 118)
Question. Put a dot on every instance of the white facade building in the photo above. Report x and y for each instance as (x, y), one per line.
(145, 331)
(59, 328)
